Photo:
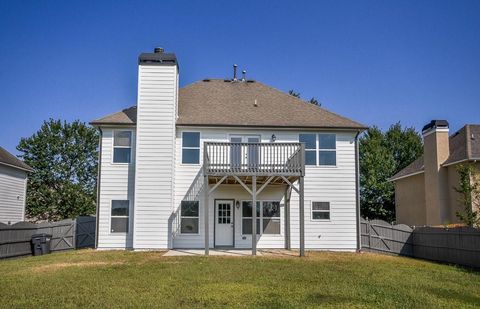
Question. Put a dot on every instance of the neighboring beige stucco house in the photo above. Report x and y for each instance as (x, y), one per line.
(425, 190)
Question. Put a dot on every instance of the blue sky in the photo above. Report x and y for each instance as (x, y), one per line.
(377, 62)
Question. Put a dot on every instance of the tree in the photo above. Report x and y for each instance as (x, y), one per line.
(294, 93)
(381, 156)
(469, 190)
(64, 159)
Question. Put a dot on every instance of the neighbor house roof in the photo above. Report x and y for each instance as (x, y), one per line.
(6, 158)
(464, 145)
(218, 102)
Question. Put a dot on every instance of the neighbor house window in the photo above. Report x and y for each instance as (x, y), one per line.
(320, 210)
(191, 147)
(268, 217)
(247, 218)
(119, 216)
(189, 217)
(310, 148)
(327, 149)
(122, 146)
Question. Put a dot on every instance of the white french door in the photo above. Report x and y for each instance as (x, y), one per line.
(244, 156)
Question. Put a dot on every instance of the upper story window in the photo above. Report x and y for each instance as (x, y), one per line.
(310, 148)
(323, 153)
(191, 147)
(122, 146)
(327, 149)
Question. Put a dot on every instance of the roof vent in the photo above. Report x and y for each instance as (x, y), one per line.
(234, 72)
(243, 75)
(206, 80)
(158, 50)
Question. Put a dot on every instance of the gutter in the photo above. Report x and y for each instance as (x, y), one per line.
(98, 186)
(357, 190)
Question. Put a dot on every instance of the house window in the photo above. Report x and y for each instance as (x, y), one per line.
(268, 217)
(119, 216)
(320, 210)
(310, 148)
(189, 217)
(271, 217)
(247, 218)
(191, 147)
(327, 149)
(122, 146)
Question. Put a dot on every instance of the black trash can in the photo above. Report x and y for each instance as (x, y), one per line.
(41, 244)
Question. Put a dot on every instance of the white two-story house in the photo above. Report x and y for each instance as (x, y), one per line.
(184, 167)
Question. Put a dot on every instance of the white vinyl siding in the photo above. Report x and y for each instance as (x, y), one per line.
(13, 184)
(155, 156)
(336, 185)
(117, 182)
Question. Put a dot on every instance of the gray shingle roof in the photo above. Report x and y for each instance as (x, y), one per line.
(411, 169)
(217, 102)
(7, 158)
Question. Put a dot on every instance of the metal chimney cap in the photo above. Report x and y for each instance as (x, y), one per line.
(435, 124)
(158, 50)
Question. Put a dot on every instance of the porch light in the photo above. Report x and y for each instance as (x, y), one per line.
(237, 204)
(274, 138)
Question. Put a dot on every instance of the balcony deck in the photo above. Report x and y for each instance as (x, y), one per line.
(254, 159)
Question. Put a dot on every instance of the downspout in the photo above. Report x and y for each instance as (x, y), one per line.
(98, 186)
(357, 190)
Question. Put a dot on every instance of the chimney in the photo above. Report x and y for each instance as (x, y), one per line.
(435, 152)
(155, 149)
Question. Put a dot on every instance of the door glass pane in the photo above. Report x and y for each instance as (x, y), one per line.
(235, 152)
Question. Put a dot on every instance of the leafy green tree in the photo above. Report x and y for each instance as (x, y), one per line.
(469, 190)
(381, 156)
(64, 159)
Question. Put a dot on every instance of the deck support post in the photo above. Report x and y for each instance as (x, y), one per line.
(254, 215)
(302, 217)
(287, 219)
(205, 210)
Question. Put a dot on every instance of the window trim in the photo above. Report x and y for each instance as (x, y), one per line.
(260, 217)
(189, 217)
(329, 211)
(128, 217)
(113, 146)
(199, 149)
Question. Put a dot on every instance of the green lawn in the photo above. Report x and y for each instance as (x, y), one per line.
(146, 279)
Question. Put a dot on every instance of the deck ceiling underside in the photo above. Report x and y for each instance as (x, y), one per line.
(276, 180)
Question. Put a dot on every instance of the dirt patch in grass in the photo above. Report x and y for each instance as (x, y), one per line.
(58, 266)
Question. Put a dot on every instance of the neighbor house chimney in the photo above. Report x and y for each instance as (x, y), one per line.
(435, 152)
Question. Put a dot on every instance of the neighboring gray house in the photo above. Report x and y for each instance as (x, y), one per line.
(183, 167)
(13, 187)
